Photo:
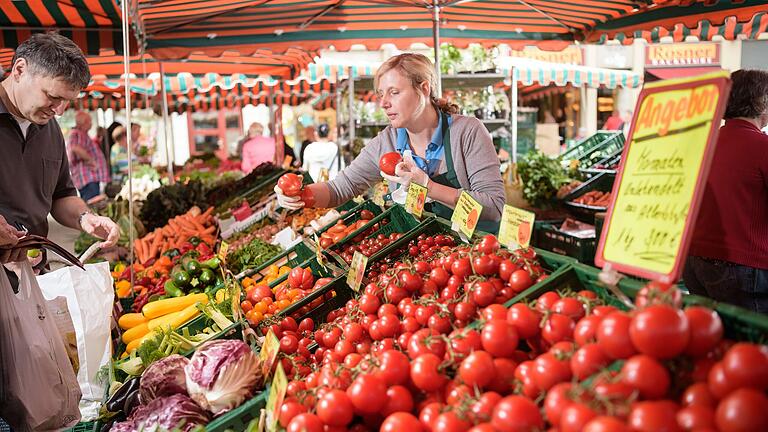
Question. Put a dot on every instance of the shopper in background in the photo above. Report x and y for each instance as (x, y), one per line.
(728, 257)
(119, 152)
(48, 71)
(446, 152)
(614, 122)
(322, 154)
(258, 149)
(87, 164)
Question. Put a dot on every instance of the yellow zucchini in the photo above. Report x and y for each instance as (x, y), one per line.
(131, 320)
(163, 307)
(135, 333)
(175, 319)
(131, 347)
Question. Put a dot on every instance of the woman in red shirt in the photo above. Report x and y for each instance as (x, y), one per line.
(728, 258)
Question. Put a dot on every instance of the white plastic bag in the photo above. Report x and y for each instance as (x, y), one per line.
(41, 391)
(89, 295)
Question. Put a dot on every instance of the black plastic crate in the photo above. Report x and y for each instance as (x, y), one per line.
(586, 213)
(552, 239)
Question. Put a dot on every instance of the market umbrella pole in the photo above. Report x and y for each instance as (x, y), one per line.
(513, 113)
(351, 99)
(338, 129)
(127, 83)
(166, 123)
(436, 43)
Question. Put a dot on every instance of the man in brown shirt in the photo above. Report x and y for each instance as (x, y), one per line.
(48, 71)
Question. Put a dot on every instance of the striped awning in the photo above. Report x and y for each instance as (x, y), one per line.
(529, 72)
(679, 19)
(93, 24)
(176, 28)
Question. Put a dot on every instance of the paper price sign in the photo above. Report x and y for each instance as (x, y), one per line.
(276, 397)
(664, 170)
(356, 271)
(516, 227)
(414, 201)
(467, 214)
(223, 250)
(268, 353)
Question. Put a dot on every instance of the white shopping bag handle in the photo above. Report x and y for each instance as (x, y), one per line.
(91, 251)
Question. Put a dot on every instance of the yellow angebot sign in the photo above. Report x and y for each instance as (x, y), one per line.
(664, 172)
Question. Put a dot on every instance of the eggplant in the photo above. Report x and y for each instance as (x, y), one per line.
(117, 401)
(131, 402)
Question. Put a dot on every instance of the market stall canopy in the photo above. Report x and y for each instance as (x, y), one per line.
(174, 29)
(93, 24)
(530, 72)
(679, 19)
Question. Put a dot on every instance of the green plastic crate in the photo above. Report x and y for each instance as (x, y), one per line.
(398, 220)
(353, 214)
(318, 270)
(239, 418)
(586, 213)
(595, 148)
(291, 257)
(340, 293)
(577, 277)
(235, 331)
(610, 160)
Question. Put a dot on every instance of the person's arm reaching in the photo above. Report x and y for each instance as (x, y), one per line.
(72, 212)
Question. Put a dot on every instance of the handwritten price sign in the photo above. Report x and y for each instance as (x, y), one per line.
(662, 179)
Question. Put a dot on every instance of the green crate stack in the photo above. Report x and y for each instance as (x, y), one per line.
(550, 238)
(291, 257)
(398, 220)
(613, 158)
(239, 418)
(339, 293)
(595, 148)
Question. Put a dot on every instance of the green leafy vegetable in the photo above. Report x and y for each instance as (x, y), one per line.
(542, 176)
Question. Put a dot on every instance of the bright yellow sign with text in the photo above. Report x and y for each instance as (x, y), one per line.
(669, 149)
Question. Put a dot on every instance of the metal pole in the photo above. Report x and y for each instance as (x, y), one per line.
(127, 83)
(270, 104)
(166, 123)
(513, 111)
(338, 125)
(436, 42)
(351, 101)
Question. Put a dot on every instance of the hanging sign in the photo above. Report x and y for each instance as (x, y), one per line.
(356, 271)
(466, 214)
(414, 201)
(516, 227)
(662, 178)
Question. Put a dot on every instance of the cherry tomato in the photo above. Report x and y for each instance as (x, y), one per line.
(698, 394)
(558, 328)
(520, 281)
(425, 373)
(525, 320)
(696, 417)
(394, 367)
(653, 416)
(388, 162)
(743, 410)
(606, 424)
(499, 338)
(575, 416)
(718, 383)
(746, 365)
(482, 409)
(570, 307)
(516, 413)
(289, 410)
(399, 399)
(660, 331)
(477, 370)
(305, 422)
(401, 421)
(368, 394)
(613, 336)
(335, 409)
(659, 293)
(588, 360)
(489, 244)
(557, 399)
(546, 301)
(647, 375)
(548, 371)
(450, 421)
(586, 330)
(706, 330)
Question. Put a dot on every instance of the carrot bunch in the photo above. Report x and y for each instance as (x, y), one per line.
(179, 230)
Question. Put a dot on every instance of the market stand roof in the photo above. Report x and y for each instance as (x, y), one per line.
(176, 28)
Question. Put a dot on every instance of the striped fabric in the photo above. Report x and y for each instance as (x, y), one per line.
(92, 24)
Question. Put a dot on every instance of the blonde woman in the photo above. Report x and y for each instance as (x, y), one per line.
(445, 151)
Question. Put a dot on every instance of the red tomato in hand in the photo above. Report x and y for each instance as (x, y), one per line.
(290, 184)
(389, 161)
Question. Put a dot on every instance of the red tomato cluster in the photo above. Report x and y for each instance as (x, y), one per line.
(402, 356)
(261, 303)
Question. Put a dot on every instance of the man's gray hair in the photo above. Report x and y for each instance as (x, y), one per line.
(56, 56)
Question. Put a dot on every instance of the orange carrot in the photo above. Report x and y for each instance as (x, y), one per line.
(207, 213)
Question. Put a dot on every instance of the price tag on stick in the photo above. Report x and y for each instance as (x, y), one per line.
(466, 214)
(276, 397)
(223, 251)
(516, 227)
(269, 351)
(414, 201)
(356, 271)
